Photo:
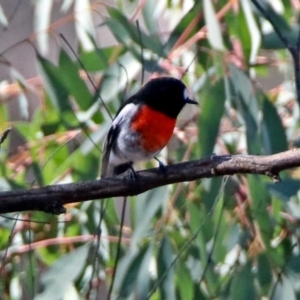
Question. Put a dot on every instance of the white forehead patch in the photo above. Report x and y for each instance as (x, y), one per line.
(185, 94)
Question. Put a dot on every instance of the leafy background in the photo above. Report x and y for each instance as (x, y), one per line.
(222, 238)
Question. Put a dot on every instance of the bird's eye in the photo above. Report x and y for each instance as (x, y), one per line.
(185, 94)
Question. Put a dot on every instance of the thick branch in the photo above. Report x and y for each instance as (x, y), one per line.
(52, 198)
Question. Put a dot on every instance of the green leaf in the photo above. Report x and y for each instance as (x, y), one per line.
(54, 84)
(242, 286)
(294, 263)
(213, 186)
(62, 273)
(150, 22)
(127, 34)
(184, 281)
(59, 96)
(253, 30)
(191, 15)
(84, 166)
(202, 227)
(260, 201)
(285, 189)
(116, 79)
(247, 106)
(213, 27)
(146, 207)
(273, 132)
(273, 42)
(96, 60)
(239, 28)
(264, 273)
(131, 276)
(69, 74)
(144, 277)
(221, 227)
(165, 273)
(212, 109)
(273, 15)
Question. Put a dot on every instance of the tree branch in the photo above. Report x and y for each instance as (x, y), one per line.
(52, 198)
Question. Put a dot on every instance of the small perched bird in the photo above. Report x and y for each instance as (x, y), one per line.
(143, 125)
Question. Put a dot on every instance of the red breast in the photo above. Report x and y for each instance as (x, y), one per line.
(154, 127)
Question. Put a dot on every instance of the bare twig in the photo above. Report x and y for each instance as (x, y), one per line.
(142, 52)
(117, 258)
(52, 198)
(71, 240)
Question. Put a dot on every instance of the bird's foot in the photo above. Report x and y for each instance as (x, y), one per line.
(161, 166)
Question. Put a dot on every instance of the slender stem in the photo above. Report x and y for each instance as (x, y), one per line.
(142, 52)
(118, 249)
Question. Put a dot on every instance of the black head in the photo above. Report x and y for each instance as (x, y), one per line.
(165, 94)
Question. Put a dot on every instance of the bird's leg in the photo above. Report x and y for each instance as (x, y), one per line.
(135, 176)
(120, 169)
(161, 165)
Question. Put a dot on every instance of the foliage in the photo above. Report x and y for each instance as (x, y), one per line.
(221, 238)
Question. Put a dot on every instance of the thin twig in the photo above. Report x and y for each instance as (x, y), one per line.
(142, 51)
(118, 249)
(10, 238)
(87, 74)
(190, 241)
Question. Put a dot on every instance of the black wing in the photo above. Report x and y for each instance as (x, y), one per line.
(112, 135)
(111, 138)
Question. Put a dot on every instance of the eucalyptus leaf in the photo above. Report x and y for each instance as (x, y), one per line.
(213, 26)
(165, 271)
(64, 271)
(212, 106)
(242, 286)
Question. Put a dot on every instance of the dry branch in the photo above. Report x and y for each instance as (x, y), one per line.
(52, 198)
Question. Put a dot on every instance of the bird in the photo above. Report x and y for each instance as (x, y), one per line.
(143, 125)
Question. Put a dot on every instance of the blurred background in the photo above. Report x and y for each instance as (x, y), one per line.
(66, 67)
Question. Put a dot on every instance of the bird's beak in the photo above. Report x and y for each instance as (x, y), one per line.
(190, 101)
